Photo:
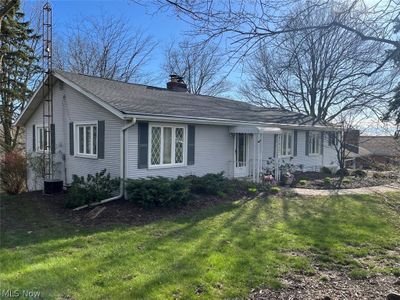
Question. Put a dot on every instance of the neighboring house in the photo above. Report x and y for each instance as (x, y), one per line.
(375, 152)
(380, 149)
(138, 131)
(384, 147)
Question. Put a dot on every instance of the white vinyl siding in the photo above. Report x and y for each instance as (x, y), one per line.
(213, 154)
(86, 139)
(167, 145)
(287, 144)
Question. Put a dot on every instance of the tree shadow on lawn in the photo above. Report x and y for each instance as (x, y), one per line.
(344, 227)
(188, 255)
(219, 252)
(33, 218)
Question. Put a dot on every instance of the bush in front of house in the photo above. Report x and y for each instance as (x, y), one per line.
(275, 190)
(327, 181)
(359, 173)
(13, 172)
(158, 191)
(326, 171)
(303, 182)
(211, 184)
(92, 189)
(347, 180)
(342, 172)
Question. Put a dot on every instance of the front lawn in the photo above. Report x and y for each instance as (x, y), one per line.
(222, 251)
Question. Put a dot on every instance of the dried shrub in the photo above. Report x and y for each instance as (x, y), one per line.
(13, 172)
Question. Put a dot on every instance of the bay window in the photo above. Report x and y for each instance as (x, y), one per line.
(287, 143)
(86, 139)
(167, 145)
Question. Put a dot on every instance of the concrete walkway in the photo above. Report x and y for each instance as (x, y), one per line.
(359, 191)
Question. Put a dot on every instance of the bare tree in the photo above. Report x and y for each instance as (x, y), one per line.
(320, 73)
(245, 24)
(344, 139)
(199, 64)
(106, 47)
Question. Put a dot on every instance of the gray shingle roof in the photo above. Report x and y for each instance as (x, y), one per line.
(141, 99)
(381, 145)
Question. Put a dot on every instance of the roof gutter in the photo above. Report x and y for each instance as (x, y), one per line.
(122, 169)
(227, 122)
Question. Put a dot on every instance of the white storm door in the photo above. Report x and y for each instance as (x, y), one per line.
(241, 163)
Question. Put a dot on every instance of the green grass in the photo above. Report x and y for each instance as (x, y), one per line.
(219, 252)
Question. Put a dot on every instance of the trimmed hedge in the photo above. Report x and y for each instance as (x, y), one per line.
(167, 192)
(158, 192)
(210, 184)
(95, 188)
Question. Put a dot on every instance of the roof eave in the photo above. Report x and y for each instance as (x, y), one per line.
(216, 121)
(24, 116)
(96, 99)
(35, 100)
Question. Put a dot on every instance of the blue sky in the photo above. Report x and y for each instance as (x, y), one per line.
(164, 27)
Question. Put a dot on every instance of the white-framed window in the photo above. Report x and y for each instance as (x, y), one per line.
(86, 139)
(42, 139)
(314, 143)
(167, 144)
(287, 143)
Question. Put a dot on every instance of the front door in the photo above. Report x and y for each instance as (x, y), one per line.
(240, 155)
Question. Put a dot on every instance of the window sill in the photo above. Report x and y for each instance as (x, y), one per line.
(86, 156)
(166, 166)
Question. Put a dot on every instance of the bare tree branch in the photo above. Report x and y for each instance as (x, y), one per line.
(200, 65)
(106, 47)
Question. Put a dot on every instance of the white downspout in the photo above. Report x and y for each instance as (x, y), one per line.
(122, 169)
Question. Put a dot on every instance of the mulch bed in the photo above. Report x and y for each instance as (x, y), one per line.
(115, 212)
(315, 180)
(331, 285)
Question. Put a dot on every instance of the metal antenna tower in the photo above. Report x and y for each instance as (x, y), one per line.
(47, 66)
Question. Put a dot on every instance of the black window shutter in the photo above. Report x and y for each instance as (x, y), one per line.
(322, 142)
(191, 145)
(295, 143)
(33, 138)
(53, 138)
(71, 138)
(307, 142)
(275, 141)
(143, 144)
(100, 138)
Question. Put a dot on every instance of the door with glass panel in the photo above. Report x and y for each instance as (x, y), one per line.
(241, 150)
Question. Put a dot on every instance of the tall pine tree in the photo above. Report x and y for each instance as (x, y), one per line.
(18, 66)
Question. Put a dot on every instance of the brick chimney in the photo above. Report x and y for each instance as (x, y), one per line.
(176, 84)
